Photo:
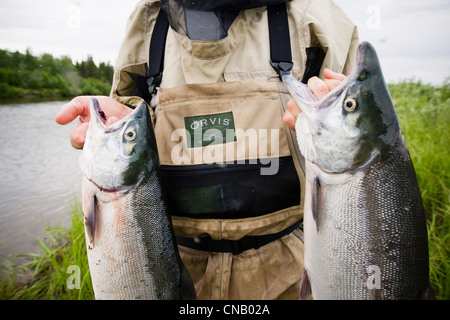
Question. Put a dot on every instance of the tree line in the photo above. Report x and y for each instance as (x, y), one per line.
(24, 76)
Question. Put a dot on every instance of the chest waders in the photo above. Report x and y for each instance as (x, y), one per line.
(225, 152)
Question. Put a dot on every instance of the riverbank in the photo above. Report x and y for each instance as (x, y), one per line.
(11, 94)
(28, 78)
(35, 97)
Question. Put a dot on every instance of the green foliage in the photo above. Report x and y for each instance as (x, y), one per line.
(49, 275)
(424, 114)
(93, 86)
(24, 76)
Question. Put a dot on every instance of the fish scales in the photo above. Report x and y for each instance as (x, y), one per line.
(143, 258)
(369, 224)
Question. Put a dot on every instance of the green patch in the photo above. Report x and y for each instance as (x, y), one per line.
(210, 129)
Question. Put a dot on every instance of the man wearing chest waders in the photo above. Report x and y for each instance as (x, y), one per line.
(210, 74)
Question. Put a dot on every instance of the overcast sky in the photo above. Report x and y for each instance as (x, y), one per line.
(411, 36)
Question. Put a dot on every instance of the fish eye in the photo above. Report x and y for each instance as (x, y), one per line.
(130, 134)
(363, 75)
(350, 104)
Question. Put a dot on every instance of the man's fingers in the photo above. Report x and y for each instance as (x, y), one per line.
(291, 114)
(111, 120)
(79, 106)
(328, 74)
(321, 87)
(78, 135)
(289, 120)
(331, 83)
(318, 87)
(293, 108)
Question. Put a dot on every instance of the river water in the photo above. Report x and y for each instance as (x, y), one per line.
(39, 175)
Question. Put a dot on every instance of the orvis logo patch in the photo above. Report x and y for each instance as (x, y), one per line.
(210, 129)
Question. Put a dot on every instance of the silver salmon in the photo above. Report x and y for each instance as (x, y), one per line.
(131, 247)
(365, 231)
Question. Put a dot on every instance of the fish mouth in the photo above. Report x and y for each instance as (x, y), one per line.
(365, 57)
(308, 102)
(112, 160)
(100, 118)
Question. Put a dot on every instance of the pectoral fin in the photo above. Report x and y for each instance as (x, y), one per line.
(305, 287)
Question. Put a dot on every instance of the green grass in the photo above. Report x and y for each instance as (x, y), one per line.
(424, 113)
(45, 276)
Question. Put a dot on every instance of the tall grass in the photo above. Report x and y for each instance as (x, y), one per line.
(424, 113)
(60, 272)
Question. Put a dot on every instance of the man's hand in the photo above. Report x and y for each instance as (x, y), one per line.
(79, 107)
(319, 87)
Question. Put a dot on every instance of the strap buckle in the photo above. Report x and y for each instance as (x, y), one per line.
(282, 68)
(153, 82)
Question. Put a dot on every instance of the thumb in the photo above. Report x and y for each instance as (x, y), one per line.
(78, 135)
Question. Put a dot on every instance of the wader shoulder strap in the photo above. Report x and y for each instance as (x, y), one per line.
(280, 46)
(156, 52)
(280, 40)
(280, 51)
(146, 85)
